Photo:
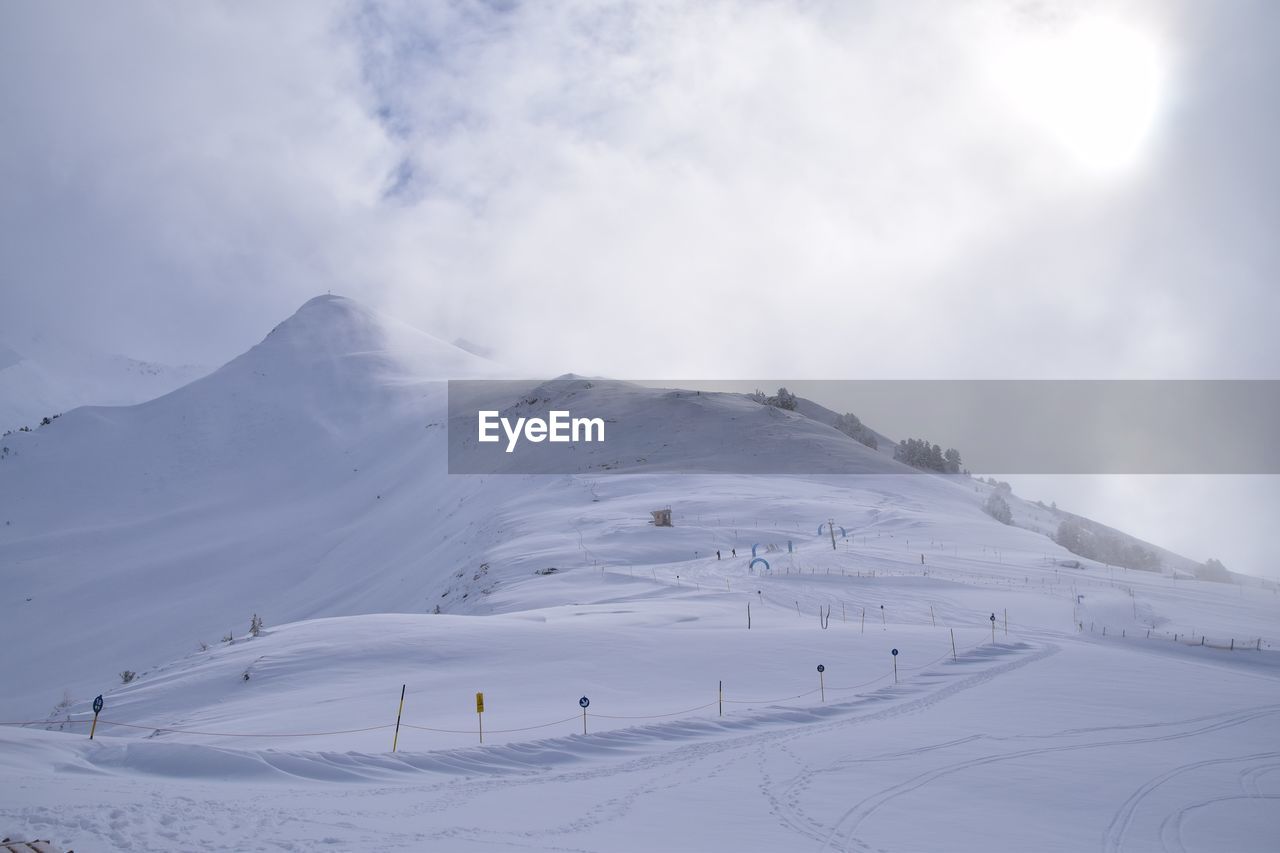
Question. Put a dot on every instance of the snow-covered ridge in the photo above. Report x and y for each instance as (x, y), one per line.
(306, 481)
(41, 377)
(307, 478)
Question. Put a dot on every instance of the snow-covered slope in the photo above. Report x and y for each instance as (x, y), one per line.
(306, 478)
(41, 377)
(306, 481)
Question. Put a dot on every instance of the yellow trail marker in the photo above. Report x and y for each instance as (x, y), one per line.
(480, 714)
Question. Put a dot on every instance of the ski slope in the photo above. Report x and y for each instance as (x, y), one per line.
(306, 481)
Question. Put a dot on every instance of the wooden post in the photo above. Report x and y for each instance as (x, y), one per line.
(748, 615)
(97, 708)
(396, 739)
(932, 621)
(953, 645)
(722, 698)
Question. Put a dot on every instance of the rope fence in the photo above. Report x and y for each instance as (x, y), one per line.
(1186, 638)
(722, 700)
(914, 612)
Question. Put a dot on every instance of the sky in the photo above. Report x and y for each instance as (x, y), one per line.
(813, 189)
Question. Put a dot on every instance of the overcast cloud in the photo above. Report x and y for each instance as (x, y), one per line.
(820, 189)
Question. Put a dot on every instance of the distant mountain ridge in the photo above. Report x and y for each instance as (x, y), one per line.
(40, 377)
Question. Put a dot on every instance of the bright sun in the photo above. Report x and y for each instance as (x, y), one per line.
(1094, 87)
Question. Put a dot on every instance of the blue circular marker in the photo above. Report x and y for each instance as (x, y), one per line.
(97, 704)
(584, 701)
(821, 668)
(895, 652)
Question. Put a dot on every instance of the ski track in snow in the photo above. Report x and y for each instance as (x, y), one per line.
(1172, 826)
(849, 822)
(934, 684)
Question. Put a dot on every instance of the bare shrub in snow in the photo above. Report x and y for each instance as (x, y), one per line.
(127, 675)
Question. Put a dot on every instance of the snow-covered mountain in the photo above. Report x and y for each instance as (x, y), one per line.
(41, 376)
(308, 478)
(307, 481)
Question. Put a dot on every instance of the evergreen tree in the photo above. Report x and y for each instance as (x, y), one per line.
(998, 508)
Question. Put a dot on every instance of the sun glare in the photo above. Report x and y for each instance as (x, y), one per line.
(1094, 88)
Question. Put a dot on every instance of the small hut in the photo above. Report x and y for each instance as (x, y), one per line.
(661, 517)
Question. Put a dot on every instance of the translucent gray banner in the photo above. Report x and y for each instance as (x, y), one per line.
(573, 425)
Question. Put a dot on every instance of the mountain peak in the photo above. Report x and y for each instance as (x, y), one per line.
(328, 314)
(332, 329)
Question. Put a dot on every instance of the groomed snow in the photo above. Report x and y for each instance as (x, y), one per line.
(306, 482)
